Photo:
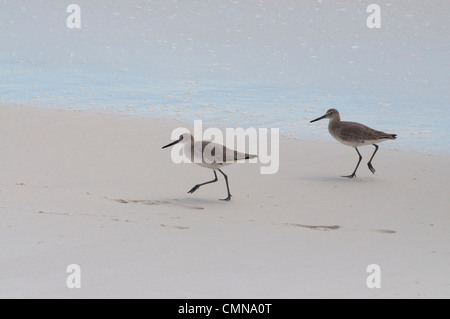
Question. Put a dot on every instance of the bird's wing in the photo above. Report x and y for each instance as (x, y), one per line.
(352, 131)
(220, 154)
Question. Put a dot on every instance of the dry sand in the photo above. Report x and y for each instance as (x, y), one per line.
(95, 189)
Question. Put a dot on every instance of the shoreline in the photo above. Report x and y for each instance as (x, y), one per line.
(143, 114)
(95, 189)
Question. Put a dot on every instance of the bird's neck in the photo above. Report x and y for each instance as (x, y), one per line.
(188, 150)
(333, 125)
(334, 122)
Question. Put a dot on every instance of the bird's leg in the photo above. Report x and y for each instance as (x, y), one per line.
(228, 187)
(370, 162)
(198, 185)
(354, 172)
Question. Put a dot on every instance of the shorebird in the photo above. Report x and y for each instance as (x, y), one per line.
(209, 155)
(355, 135)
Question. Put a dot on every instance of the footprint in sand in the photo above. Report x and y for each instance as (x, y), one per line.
(142, 202)
(121, 220)
(153, 203)
(176, 227)
(384, 231)
(336, 227)
(321, 228)
(51, 213)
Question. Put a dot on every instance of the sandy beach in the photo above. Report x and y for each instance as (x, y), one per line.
(95, 189)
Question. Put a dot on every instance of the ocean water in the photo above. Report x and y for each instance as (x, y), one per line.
(238, 63)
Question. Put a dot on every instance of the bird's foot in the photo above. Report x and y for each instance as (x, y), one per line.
(371, 168)
(194, 189)
(350, 176)
(227, 199)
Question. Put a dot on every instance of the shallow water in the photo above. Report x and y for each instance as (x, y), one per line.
(238, 63)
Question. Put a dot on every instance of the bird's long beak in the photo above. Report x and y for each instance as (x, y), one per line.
(173, 143)
(320, 118)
